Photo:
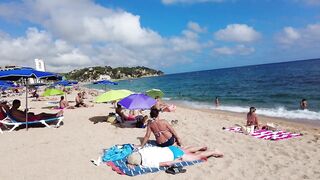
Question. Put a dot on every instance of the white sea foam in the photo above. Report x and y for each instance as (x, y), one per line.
(279, 112)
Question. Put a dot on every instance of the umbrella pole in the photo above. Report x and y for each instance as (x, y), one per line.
(26, 104)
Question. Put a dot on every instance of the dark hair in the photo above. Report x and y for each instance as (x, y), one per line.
(252, 108)
(118, 105)
(62, 97)
(15, 102)
(154, 113)
(303, 100)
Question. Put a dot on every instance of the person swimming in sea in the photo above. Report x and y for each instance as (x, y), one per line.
(216, 102)
(304, 104)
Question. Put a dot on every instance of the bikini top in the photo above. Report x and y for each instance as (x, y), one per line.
(158, 133)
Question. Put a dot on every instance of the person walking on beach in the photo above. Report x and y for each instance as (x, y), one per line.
(164, 133)
(304, 104)
(216, 102)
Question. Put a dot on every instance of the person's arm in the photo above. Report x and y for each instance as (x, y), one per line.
(174, 133)
(257, 121)
(248, 120)
(147, 136)
(170, 163)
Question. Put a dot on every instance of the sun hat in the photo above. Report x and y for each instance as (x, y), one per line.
(134, 158)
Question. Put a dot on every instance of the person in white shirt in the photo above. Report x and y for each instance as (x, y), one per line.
(166, 156)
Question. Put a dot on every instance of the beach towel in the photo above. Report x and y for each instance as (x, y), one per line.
(120, 166)
(267, 134)
(117, 152)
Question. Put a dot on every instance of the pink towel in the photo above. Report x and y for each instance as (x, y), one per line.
(267, 134)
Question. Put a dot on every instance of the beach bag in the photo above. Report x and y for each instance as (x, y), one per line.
(112, 118)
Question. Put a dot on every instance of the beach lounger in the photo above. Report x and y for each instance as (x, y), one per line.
(10, 121)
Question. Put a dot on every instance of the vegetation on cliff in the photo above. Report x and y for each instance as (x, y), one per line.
(107, 72)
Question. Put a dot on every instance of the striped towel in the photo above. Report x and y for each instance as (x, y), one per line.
(120, 166)
(268, 134)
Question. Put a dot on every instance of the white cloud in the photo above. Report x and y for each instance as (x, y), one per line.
(237, 33)
(196, 27)
(81, 33)
(190, 1)
(84, 21)
(308, 36)
(289, 35)
(236, 50)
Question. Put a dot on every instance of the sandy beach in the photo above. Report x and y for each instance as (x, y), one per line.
(65, 152)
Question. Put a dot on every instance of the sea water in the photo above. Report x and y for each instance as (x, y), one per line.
(274, 89)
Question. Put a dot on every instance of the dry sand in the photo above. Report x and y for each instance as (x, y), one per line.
(65, 152)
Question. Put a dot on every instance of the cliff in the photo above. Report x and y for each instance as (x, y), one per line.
(107, 72)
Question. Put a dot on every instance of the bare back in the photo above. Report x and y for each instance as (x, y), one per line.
(160, 130)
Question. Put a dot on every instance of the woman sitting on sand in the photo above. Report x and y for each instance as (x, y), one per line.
(252, 118)
(63, 104)
(164, 133)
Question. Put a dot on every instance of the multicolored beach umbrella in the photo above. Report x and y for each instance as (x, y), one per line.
(154, 93)
(137, 102)
(113, 95)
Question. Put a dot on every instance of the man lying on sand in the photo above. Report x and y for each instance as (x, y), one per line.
(167, 156)
(20, 116)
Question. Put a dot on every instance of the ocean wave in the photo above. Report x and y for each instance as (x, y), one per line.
(279, 112)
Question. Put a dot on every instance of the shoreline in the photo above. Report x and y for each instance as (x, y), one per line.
(287, 124)
(85, 133)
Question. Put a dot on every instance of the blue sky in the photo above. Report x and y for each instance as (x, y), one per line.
(171, 35)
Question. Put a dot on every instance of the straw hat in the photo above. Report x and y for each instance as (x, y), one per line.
(134, 158)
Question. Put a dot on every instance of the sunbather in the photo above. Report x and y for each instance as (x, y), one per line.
(79, 101)
(124, 117)
(252, 118)
(164, 133)
(20, 116)
(63, 104)
(167, 156)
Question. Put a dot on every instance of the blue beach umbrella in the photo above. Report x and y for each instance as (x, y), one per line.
(26, 73)
(105, 83)
(63, 83)
(137, 102)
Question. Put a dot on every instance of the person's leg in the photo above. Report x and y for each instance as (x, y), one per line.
(201, 155)
(47, 115)
(192, 149)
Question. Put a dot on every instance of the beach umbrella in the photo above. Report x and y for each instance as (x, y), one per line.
(64, 83)
(154, 93)
(26, 73)
(105, 83)
(52, 92)
(113, 95)
(137, 101)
